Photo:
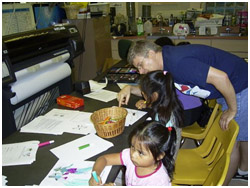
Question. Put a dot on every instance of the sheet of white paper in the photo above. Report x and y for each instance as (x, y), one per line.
(44, 125)
(62, 114)
(19, 153)
(72, 173)
(83, 117)
(102, 95)
(96, 86)
(80, 128)
(81, 124)
(71, 151)
(76, 122)
(133, 116)
(58, 121)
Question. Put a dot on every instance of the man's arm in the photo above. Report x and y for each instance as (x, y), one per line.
(124, 95)
(222, 83)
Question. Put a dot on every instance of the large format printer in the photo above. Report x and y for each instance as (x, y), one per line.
(36, 69)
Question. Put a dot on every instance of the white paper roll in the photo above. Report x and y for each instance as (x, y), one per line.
(31, 84)
(33, 69)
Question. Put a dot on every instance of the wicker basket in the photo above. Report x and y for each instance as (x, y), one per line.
(72, 11)
(111, 129)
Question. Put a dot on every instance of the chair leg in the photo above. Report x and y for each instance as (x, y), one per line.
(198, 142)
(182, 141)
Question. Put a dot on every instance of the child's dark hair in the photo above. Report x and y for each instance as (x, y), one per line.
(158, 139)
(162, 41)
(167, 101)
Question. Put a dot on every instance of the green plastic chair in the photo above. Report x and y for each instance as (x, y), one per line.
(123, 47)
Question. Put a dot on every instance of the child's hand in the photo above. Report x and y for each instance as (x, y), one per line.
(140, 104)
(92, 181)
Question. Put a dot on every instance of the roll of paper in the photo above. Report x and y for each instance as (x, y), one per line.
(32, 83)
(33, 69)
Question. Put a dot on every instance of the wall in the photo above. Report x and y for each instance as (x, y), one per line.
(120, 7)
(166, 8)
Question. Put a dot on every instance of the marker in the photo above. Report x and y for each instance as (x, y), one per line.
(95, 176)
(46, 143)
(83, 146)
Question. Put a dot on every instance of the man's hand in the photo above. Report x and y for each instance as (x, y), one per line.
(226, 117)
(124, 95)
(222, 83)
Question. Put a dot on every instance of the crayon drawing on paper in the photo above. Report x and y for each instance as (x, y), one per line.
(66, 173)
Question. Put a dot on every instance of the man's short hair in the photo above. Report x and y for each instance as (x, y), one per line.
(141, 48)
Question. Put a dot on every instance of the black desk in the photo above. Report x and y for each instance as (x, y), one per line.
(45, 160)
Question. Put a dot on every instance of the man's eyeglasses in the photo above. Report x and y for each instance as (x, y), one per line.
(139, 65)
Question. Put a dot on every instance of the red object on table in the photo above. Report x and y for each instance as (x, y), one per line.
(70, 101)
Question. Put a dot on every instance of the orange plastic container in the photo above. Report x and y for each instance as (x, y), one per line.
(70, 101)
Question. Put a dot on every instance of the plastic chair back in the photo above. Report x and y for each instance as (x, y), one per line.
(218, 174)
(198, 133)
(123, 47)
(217, 142)
(194, 166)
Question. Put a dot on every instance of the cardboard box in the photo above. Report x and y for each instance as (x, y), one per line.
(70, 101)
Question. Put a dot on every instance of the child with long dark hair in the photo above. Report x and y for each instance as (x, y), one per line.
(148, 161)
(160, 96)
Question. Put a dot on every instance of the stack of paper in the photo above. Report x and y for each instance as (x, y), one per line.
(71, 169)
(58, 121)
(98, 93)
(19, 153)
(96, 86)
(102, 95)
(44, 125)
(76, 122)
(72, 173)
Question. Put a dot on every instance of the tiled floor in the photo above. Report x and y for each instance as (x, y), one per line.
(188, 144)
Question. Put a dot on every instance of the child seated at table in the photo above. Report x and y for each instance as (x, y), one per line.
(149, 160)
